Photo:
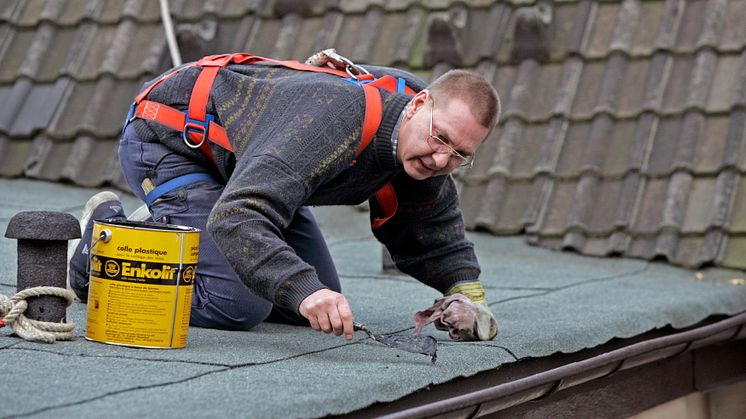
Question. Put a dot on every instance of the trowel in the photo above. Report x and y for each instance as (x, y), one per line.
(426, 345)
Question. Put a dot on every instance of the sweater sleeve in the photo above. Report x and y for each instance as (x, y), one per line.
(258, 202)
(426, 237)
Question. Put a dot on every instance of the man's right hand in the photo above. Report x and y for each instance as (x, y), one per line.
(328, 311)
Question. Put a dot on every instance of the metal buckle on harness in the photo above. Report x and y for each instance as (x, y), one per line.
(197, 127)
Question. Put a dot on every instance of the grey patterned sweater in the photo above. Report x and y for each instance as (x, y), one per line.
(295, 135)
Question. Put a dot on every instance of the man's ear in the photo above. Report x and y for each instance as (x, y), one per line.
(419, 100)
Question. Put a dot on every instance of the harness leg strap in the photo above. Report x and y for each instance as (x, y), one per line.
(174, 183)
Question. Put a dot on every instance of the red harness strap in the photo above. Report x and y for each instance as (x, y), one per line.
(199, 129)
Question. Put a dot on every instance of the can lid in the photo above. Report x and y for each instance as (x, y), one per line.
(147, 225)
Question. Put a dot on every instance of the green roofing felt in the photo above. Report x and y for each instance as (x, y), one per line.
(545, 302)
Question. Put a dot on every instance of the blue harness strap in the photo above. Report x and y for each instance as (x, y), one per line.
(174, 183)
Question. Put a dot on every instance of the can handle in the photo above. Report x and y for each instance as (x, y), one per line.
(104, 236)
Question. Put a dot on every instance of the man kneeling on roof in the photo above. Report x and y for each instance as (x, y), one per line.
(239, 147)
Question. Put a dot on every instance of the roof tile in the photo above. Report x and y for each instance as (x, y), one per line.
(666, 245)
(628, 205)
(562, 28)
(633, 88)
(67, 120)
(571, 157)
(595, 150)
(38, 108)
(37, 51)
(714, 22)
(606, 203)
(12, 97)
(471, 202)
(650, 212)
(737, 223)
(358, 35)
(544, 86)
(568, 86)
(701, 78)
(675, 203)
(725, 195)
(588, 89)
(734, 250)
(734, 31)
(558, 208)
(677, 87)
(28, 13)
(601, 30)
(580, 22)
(673, 15)
(711, 248)
(541, 191)
(522, 90)
(408, 50)
(511, 136)
(90, 161)
(666, 139)
(618, 148)
(553, 145)
(722, 93)
(487, 30)
(650, 20)
(611, 86)
(659, 73)
(11, 9)
(710, 145)
(40, 162)
(691, 131)
(488, 214)
(73, 11)
(55, 57)
(687, 252)
(699, 208)
(641, 247)
(527, 149)
(113, 10)
(583, 203)
(735, 144)
(626, 26)
(19, 41)
(692, 23)
(644, 139)
(390, 32)
(13, 155)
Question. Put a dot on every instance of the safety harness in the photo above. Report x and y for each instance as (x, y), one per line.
(198, 128)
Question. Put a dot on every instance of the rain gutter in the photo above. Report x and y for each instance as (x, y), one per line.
(540, 385)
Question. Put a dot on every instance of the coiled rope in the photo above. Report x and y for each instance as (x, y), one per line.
(12, 309)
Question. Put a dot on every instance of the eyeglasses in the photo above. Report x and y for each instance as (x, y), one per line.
(439, 145)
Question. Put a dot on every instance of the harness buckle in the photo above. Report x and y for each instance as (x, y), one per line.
(197, 127)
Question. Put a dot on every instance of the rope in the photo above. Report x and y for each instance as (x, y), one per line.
(12, 309)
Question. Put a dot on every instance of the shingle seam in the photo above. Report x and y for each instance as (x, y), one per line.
(180, 381)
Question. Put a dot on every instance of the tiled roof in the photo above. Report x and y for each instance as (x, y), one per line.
(624, 123)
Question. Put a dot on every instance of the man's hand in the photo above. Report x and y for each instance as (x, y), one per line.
(328, 311)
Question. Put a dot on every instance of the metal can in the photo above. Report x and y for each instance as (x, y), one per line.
(141, 280)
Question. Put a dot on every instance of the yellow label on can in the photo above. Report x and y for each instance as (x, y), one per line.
(141, 283)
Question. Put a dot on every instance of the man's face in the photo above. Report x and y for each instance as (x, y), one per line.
(424, 155)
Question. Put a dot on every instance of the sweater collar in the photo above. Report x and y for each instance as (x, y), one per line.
(390, 119)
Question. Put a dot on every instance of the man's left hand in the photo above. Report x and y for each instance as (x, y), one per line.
(462, 318)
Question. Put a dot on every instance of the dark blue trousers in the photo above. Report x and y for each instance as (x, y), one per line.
(220, 299)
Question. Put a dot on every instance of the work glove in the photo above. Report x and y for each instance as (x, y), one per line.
(463, 317)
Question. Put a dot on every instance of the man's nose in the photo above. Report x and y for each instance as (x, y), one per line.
(441, 160)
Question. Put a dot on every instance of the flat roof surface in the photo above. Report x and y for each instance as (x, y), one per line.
(545, 302)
